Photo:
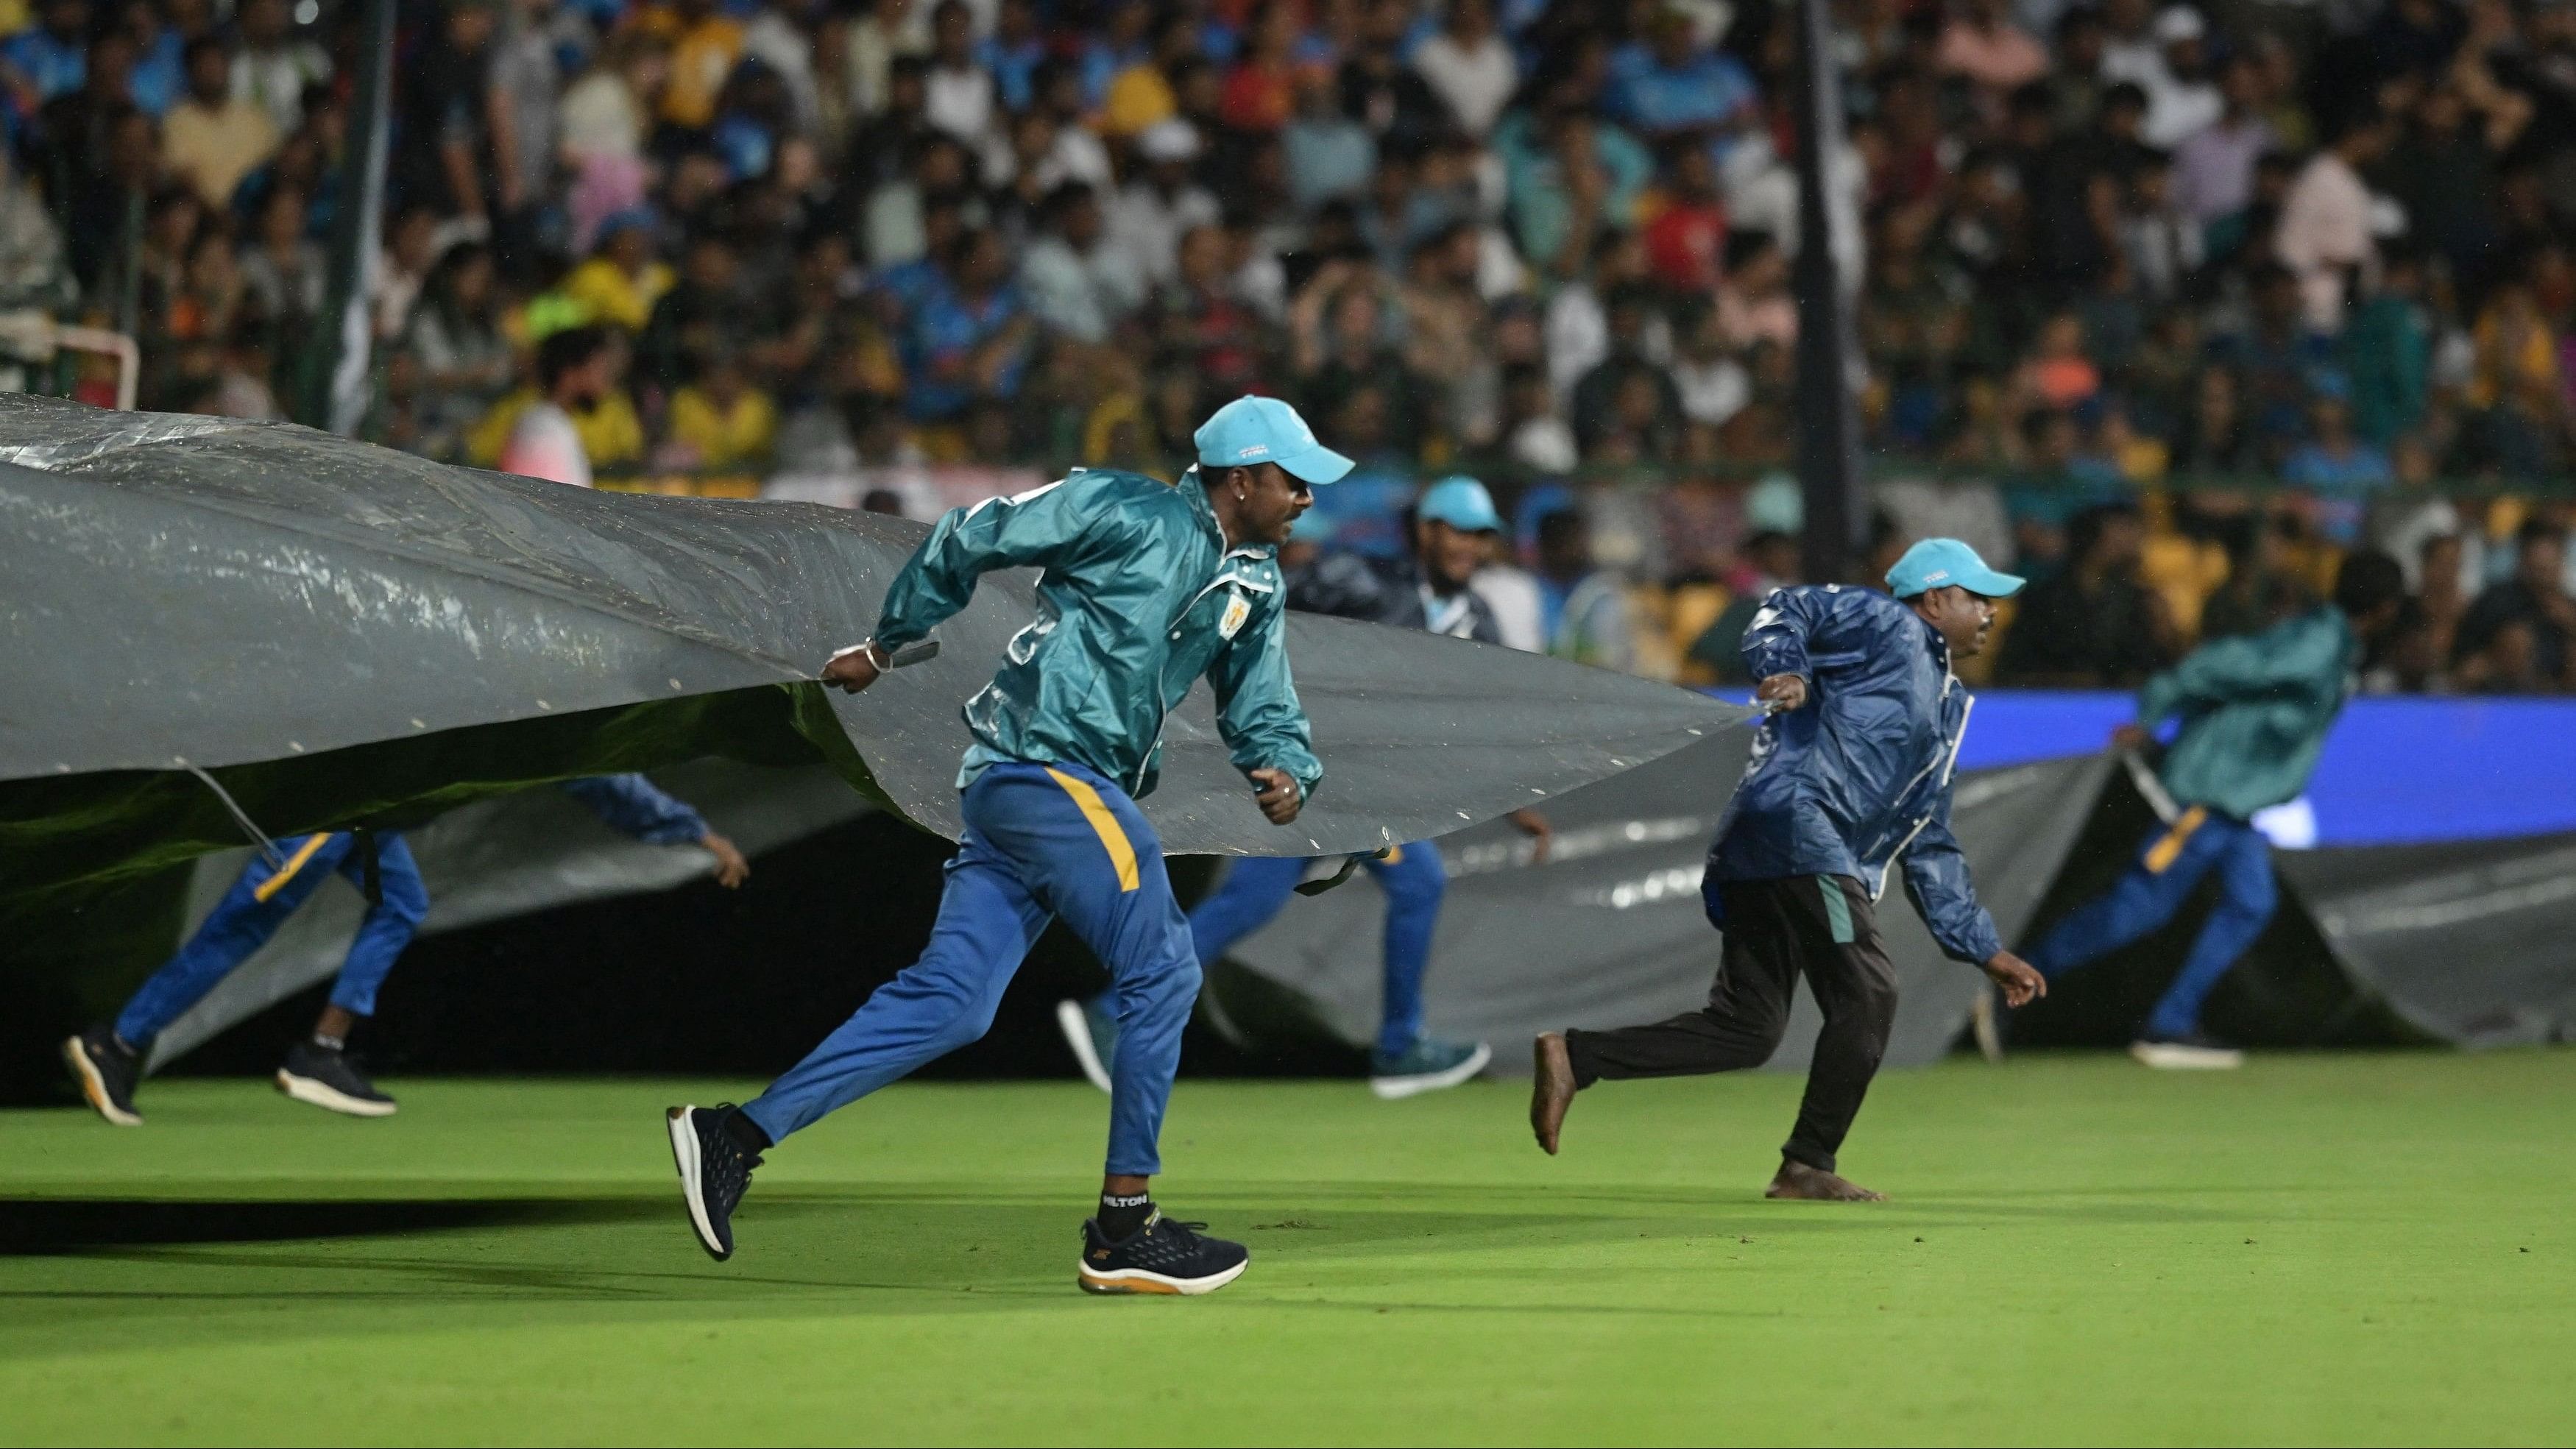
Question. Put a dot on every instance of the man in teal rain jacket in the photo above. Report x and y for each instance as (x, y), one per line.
(1147, 586)
(2255, 711)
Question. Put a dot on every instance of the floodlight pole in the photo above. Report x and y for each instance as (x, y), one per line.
(335, 383)
(1828, 413)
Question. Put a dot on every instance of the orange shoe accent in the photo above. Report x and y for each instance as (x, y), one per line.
(1091, 1284)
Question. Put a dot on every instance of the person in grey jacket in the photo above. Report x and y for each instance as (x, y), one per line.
(1850, 781)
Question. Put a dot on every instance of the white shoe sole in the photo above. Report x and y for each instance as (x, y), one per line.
(2166, 1056)
(1391, 1089)
(328, 1097)
(1137, 1280)
(94, 1086)
(1075, 1023)
(1982, 1025)
(684, 1156)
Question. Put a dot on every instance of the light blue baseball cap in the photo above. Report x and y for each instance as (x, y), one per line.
(1252, 430)
(1462, 503)
(1939, 563)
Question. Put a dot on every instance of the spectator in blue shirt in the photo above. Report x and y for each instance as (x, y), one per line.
(1671, 87)
(1127, 41)
(160, 69)
(1567, 178)
(1013, 53)
(49, 60)
(969, 336)
(2279, 359)
(2344, 471)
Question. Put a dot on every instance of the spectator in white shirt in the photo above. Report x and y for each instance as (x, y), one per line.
(573, 369)
(2214, 170)
(1153, 210)
(1468, 66)
(2325, 220)
(1077, 283)
(959, 92)
(274, 67)
(2181, 100)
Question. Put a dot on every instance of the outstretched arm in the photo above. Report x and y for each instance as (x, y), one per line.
(633, 805)
(1260, 718)
(1036, 529)
(1796, 631)
(1936, 879)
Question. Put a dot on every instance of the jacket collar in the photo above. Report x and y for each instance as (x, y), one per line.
(1932, 638)
(1197, 495)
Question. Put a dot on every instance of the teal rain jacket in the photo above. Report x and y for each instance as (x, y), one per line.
(1140, 596)
(2255, 710)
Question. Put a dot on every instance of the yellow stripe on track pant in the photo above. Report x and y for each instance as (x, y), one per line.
(2161, 855)
(1104, 821)
(286, 872)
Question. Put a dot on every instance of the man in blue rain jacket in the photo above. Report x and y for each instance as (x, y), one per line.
(1849, 782)
(1147, 586)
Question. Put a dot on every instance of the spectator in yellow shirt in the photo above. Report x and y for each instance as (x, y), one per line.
(611, 432)
(623, 279)
(704, 46)
(1142, 95)
(212, 139)
(721, 419)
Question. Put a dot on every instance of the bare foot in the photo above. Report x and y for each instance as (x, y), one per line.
(1551, 1088)
(1810, 1184)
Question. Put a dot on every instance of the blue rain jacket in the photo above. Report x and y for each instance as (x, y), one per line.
(1140, 596)
(1858, 780)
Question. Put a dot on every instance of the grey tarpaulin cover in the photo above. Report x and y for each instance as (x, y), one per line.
(1610, 931)
(338, 633)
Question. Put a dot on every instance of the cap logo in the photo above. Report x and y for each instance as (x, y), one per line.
(1936, 576)
(1255, 451)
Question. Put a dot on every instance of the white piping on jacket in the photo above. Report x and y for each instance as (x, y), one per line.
(1967, 707)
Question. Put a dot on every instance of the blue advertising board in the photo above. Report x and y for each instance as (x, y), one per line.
(2397, 770)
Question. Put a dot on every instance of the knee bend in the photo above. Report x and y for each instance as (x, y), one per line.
(1872, 999)
(971, 1021)
(407, 902)
(1764, 1024)
(1174, 983)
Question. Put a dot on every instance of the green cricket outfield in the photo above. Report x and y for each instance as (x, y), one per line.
(2352, 1248)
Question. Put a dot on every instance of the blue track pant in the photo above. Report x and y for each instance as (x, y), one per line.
(261, 901)
(1041, 841)
(1413, 878)
(2173, 861)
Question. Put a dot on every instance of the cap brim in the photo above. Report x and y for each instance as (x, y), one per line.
(1467, 523)
(1316, 465)
(1994, 585)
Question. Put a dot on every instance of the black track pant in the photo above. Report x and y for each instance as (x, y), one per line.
(1818, 924)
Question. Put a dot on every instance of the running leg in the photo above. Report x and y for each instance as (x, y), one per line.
(2247, 896)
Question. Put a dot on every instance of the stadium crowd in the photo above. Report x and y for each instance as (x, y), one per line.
(2165, 307)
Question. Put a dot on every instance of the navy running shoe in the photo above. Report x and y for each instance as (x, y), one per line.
(1164, 1256)
(106, 1070)
(324, 1077)
(714, 1171)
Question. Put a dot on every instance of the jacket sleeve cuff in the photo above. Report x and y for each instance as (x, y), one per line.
(1978, 944)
